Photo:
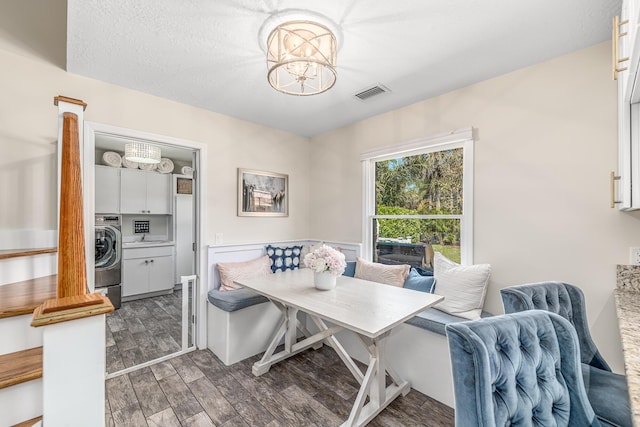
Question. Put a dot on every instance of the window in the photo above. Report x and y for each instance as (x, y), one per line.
(418, 200)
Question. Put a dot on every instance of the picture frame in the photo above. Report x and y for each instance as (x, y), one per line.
(261, 193)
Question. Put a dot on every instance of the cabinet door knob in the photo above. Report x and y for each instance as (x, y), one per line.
(146, 261)
(151, 261)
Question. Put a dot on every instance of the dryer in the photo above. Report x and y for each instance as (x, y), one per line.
(108, 252)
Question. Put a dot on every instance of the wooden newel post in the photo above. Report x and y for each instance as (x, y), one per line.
(73, 339)
(72, 278)
(72, 300)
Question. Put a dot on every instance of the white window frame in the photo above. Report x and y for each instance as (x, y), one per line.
(461, 138)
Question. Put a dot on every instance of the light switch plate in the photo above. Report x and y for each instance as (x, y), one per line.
(219, 239)
(634, 255)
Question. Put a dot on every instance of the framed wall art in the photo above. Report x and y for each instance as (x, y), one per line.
(262, 193)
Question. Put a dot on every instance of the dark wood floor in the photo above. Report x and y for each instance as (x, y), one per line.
(143, 330)
(313, 388)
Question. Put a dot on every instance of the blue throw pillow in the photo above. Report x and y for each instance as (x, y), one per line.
(283, 259)
(350, 270)
(419, 283)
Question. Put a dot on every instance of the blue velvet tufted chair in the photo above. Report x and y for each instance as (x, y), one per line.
(607, 391)
(519, 369)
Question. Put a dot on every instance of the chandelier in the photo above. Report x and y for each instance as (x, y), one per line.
(142, 152)
(301, 57)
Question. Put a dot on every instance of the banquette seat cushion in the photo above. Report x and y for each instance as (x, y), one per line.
(436, 321)
(235, 299)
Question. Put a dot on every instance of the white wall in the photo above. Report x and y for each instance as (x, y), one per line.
(31, 76)
(546, 145)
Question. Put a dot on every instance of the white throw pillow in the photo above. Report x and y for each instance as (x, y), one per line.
(230, 271)
(394, 275)
(462, 286)
(307, 249)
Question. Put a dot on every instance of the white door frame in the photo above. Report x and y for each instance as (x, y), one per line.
(88, 162)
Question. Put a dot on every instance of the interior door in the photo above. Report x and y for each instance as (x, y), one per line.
(156, 322)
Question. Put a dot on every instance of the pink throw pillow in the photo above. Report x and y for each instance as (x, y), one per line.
(231, 271)
(394, 275)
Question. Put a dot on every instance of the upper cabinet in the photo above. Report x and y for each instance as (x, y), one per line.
(145, 192)
(107, 189)
(625, 185)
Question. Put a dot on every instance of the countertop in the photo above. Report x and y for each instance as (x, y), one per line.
(627, 296)
(146, 244)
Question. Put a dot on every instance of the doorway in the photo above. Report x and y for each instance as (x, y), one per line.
(160, 286)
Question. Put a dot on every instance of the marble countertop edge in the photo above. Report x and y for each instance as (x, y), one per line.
(628, 310)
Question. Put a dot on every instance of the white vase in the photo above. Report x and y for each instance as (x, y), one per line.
(324, 281)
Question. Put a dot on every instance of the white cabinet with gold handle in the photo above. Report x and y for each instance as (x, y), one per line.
(625, 183)
(617, 59)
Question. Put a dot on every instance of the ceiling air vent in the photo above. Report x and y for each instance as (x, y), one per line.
(369, 93)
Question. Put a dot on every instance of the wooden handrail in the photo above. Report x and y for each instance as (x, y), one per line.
(61, 98)
(16, 253)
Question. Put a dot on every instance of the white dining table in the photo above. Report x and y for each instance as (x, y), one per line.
(369, 309)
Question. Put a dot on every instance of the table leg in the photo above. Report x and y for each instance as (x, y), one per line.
(342, 353)
(291, 335)
(287, 329)
(374, 385)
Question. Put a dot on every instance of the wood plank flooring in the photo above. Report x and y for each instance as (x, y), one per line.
(143, 330)
(313, 388)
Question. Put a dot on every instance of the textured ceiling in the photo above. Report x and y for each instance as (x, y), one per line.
(207, 53)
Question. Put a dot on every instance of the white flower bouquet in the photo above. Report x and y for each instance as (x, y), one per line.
(325, 258)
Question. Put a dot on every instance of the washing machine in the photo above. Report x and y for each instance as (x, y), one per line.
(108, 264)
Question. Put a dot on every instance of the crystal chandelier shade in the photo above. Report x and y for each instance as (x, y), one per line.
(301, 58)
(142, 152)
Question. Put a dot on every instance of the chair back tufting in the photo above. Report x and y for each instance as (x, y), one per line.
(519, 369)
(560, 298)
